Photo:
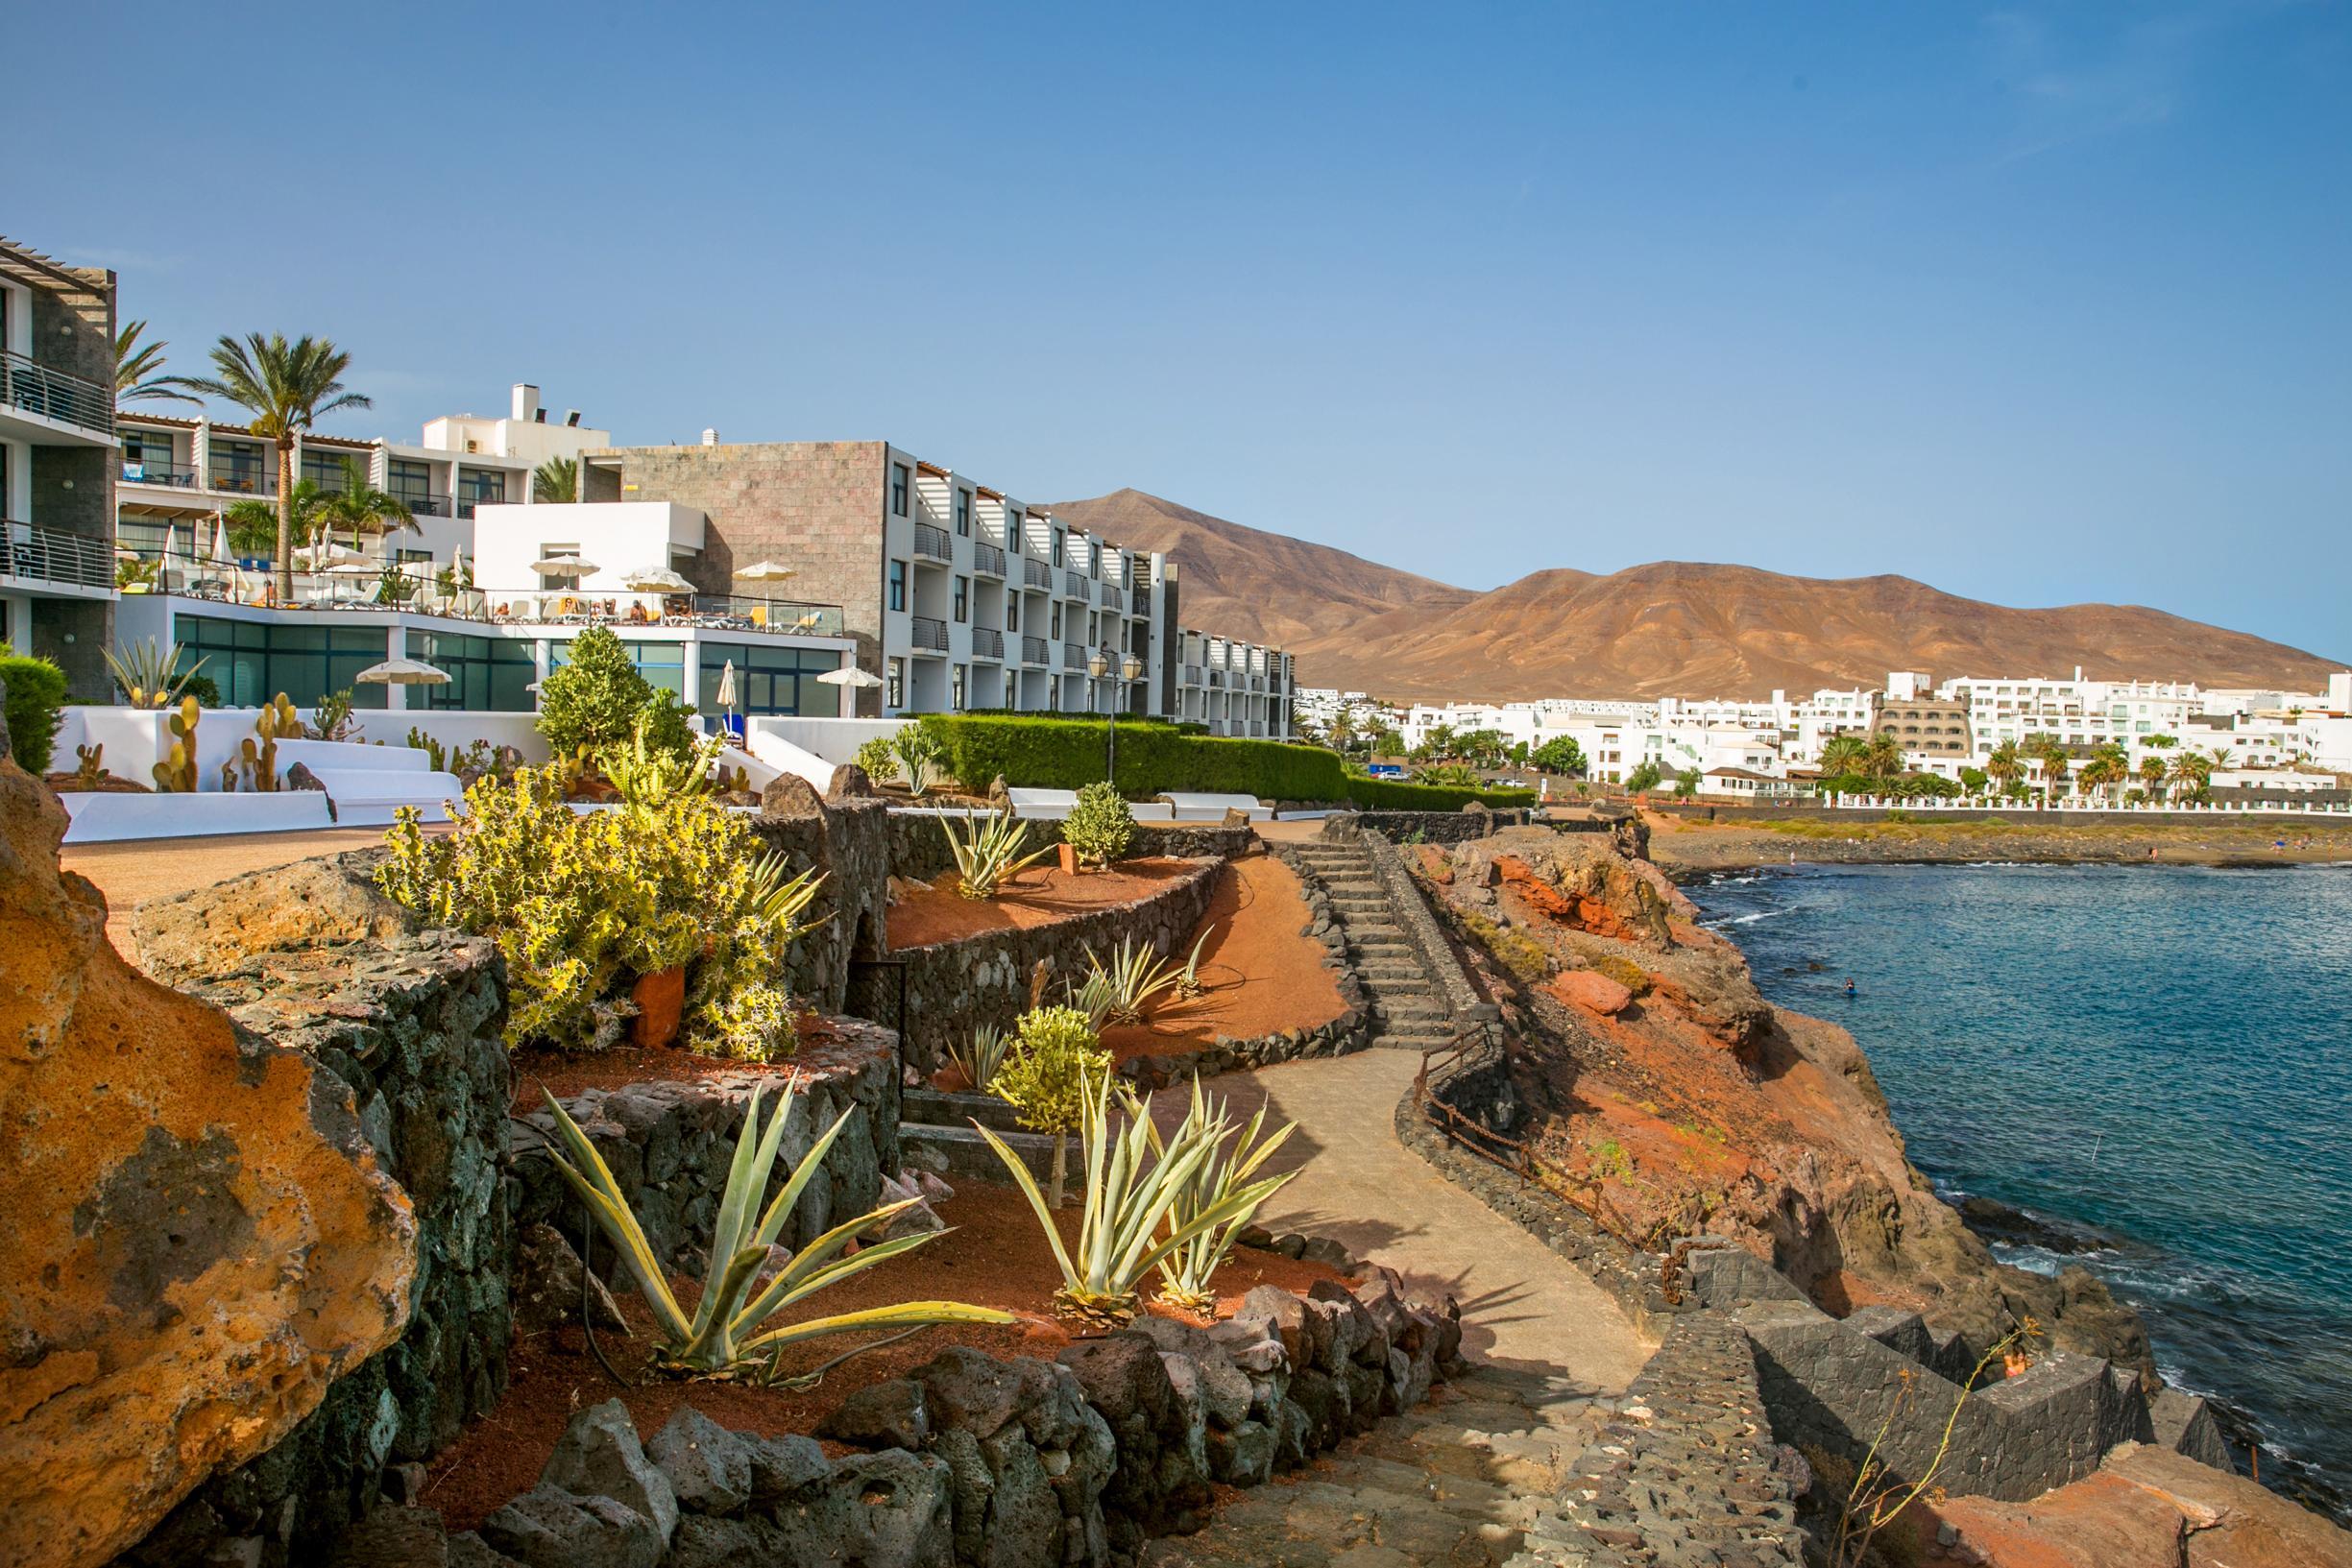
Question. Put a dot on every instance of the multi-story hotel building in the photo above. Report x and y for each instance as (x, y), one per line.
(57, 463)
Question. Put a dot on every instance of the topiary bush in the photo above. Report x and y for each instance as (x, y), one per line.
(597, 697)
(35, 705)
(1099, 826)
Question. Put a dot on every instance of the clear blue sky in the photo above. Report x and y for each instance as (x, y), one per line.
(2038, 305)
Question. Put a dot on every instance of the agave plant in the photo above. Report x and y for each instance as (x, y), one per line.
(1096, 995)
(1135, 975)
(726, 1335)
(978, 1057)
(917, 753)
(990, 851)
(1188, 982)
(1133, 1184)
(1186, 1273)
(149, 677)
(779, 899)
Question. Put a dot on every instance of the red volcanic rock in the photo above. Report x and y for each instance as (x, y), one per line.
(200, 1240)
(1591, 990)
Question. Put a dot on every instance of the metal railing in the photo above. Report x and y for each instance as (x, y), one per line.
(933, 542)
(987, 642)
(246, 482)
(930, 634)
(424, 506)
(1034, 651)
(1035, 574)
(467, 504)
(1073, 585)
(160, 473)
(987, 558)
(52, 394)
(1110, 596)
(52, 555)
(1191, 674)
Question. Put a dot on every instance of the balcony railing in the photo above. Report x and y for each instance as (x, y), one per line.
(933, 542)
(1073, 656)
(1035, 574)
(1109, 596)
(423, 506)
(69, 399)
(1034, 651)
(467, 504)
(1073, 585)
(52, 555)
(988, 560)
(987, 642)
(930, 634)
(160, 473)
(1191, 674)
(243, 481)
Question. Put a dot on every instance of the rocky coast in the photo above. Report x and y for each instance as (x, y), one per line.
(1689, 844)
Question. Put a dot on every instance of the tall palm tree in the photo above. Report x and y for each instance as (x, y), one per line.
(254, 522)
(557, 479)
(284, 388)
(2151, 775)
(2106, 768)
(2004, 767)
(1882, 757)
(2220, 757)
(138, 369)
(2192, 771)
(361, 507)
(1843, 753)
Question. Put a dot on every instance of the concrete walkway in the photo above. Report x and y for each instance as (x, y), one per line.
(1523, 1307)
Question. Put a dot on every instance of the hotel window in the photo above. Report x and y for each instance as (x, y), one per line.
(323, 468)
(964, 598)
(955, 687)
(663, 665)
(486, 674)
(963, 513)
(898, 490)
(253, 660)
(147, 455)
(477, 488)
(1012, 613)
(771, 680)
(898, 584)
(1056, 632)
(411, 481)
(1060, 540)
(894, 682)
(237, 466)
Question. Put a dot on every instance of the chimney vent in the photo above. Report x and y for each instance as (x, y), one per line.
(710, 438)
(525, 401)
(571, 419)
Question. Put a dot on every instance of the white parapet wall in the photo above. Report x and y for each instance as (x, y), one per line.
(110, 818)
(136, 739)
(812, 747)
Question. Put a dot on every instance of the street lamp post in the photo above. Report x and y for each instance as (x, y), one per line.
(1099, 665)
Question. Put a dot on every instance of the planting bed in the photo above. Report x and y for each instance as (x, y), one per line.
(1263, 973)
(1042, 895)
(568, 1072)
(993, 1255)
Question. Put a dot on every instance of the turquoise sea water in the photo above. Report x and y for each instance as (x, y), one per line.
(2158, 1056)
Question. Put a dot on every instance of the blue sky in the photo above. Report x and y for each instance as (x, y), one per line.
(2038, 305)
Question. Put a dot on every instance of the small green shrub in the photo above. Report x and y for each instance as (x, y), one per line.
(1609, 1161)
(36, 706)
(1054, 1051)
(1100, 826)
(877, 758)
(1516, 951)
(597, 699)
(1624, 970)
(917, 749)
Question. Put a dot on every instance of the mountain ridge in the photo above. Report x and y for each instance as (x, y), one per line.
(1687, 628)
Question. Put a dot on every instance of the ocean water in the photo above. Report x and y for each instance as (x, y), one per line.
(2157, 1057)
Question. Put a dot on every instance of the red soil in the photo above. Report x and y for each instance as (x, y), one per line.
(1039, 895)
(566, 1072)
(994, 1256)
(1262, 974)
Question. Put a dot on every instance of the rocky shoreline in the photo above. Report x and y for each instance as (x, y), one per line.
(1686, 848)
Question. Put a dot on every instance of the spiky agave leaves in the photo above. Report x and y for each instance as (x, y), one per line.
(724, 1335)
(1185, 1273)
(1133, 1183)
(1126, 985)
(990, 851)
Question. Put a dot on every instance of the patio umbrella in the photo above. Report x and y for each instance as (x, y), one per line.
(853, 679)
(655, 580)
(403, 672)
(325, 557)
(765, 571)
(221, 555)
(563, 566)
(726, 692)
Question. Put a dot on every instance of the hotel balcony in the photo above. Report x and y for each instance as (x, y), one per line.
(53, 558)
(987, 642)
(41, 405)
(1073, 585)
(1035, 651)
(174, 475)
(988, 560)
(930, 634)
(932, 542)
(1109, 596)
(1073, 656)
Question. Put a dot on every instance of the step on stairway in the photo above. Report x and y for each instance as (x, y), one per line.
(1407, 1007)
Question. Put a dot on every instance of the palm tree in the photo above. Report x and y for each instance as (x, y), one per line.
(361, 507)
(284, 388)
(1844, 754)
(138, 369)
(254, 522)
(2106, 767)
(2220, 757)
(2004, 767)
(2047, 750)
(557, 479)
(2151, 775)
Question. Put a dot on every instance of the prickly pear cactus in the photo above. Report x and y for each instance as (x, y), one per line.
(276, 722)
(90, 768)
(176, 774)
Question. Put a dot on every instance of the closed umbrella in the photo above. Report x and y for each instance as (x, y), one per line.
(726, 693)
(324, 557)
(220, 543)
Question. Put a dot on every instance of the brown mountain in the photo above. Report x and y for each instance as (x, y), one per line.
(1667, 628)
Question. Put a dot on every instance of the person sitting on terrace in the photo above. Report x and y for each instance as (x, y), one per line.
(636, 611)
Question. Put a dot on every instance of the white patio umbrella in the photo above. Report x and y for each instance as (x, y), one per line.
(655, 580)
(403, 672)
(725, 697)
(766, 571)
(561, 565)
(850, 677)
(221, 555)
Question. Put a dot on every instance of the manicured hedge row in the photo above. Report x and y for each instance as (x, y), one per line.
(1030, 752)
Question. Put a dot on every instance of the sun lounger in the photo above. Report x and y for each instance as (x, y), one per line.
(1042, 804)
(1199, 807)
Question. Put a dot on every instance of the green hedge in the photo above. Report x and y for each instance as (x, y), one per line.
(1034, 752)
(35, 703)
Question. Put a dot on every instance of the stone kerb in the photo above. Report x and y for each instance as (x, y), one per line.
(951, 988)
(1006, 1463)
(669, 1143)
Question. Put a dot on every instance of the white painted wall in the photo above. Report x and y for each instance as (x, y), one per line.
(617, 536)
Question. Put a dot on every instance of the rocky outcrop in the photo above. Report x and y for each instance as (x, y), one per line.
(202, 1238)
(304, 907)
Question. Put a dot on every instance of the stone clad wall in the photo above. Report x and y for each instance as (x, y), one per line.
(951, 987)
(669, 1144)
(849, 841)
(919, 848)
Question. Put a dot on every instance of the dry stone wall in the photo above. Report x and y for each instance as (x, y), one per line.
(919, 847)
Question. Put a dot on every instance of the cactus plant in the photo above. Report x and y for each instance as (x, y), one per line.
(259, 763)
(176, 774)
(91, 769)
(434, 751)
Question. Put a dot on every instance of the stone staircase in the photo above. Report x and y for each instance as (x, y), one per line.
(1407, 1007)
(1463, 1482)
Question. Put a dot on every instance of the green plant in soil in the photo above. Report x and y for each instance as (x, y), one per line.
(36, 706)
(988, 852)
(1188, 983)
(1044, 1076)
(877, 758)
(1133, 977)
(1186, 1273)
(979, 1057)
(726, 1335)
(147, 676)
(599, 697)
(1625, 971)
(1100, 826)
(1132, 1185)
(917, 751)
